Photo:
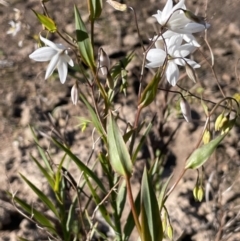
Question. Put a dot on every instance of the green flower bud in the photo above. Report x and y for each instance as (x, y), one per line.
(170, 232)
(195, 192)
(206, 137)
(200, 194)
(218, 121)
(227, 126)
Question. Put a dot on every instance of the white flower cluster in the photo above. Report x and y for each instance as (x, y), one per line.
(174, 45)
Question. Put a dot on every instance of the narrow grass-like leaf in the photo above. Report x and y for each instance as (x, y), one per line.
(150, 213)
(141, 142)
(101, 207)
(81, 165)
(95, 9)
(36, 215)
(118, 152)
(161, 197)
(58, 176)
(83, 40)
(93, 115)
(200, 155)
(116, 70)
(149, 93)
(45, 173)
(41, 151)
(41, 196)
(121, 198)
(130, 223)
(23, 239)
(48, 23)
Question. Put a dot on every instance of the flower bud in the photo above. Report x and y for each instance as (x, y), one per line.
(186, 110)
(74, 94)
(218, 121)
(170, 232)
(195, 192)
(206, 137)
(200, 194)
(190, 72)
(195, 18)
(221, 122)
(228, 126)
(117, 6)
(104, 62)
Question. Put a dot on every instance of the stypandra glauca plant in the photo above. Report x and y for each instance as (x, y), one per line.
(70, 217)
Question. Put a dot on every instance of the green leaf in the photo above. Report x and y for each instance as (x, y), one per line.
(48, 176)
(141, 142)
(36, 215)
(95, 9)
(105, 214)
(83, 41)
(150, 213)
(130, 223)
(41, 152)
(149, 93)
(48, 23)
(116, 70)
(118, 152)
(22, 239)
(162, 198)
(41, 196)
(121, 198)
(81, 165)
(94, 117)
(200, 155)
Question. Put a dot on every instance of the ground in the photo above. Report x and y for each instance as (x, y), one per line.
(28, 99)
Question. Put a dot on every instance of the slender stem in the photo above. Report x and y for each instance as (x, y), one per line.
(174, 185)
(133, 208)
(65, 39)
(136, 22)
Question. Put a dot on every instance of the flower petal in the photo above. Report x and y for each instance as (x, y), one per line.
(167, 11)
(49, 43)
(156, 57)
(52, 65)
(184, 50)
(172, 73)
(62, 70)
(67, 59)
(191, 28)
(193, 63)
(190, 39)
(43, 54)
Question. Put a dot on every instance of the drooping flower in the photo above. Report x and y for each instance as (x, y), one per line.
(104, 62)
(75, 94)
(15, 28)
(57, 54)
(175, 53)
(173, 18)
(186, 110)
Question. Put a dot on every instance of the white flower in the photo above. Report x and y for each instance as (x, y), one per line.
(187, 37)
(175, 19)
(15, 28)
(175, 54)
(57, 55)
